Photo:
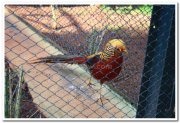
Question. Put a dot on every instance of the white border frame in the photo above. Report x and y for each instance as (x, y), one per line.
(92, 2)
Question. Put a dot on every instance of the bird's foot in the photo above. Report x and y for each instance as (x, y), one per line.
(90, 84)
(101, 100)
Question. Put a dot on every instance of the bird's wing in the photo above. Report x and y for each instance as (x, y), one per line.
(93, 59)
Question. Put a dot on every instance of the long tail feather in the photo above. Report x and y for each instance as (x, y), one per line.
(60, 59)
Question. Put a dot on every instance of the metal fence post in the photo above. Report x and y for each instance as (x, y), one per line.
(159, 68)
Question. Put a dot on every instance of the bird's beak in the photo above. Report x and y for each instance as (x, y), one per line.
(126, 52)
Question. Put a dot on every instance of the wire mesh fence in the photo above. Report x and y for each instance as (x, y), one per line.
(157, 96)
(58, 89)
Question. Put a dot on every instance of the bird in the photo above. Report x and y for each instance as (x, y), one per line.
(103, 66)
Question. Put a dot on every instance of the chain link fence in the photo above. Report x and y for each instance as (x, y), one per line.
(60, 90)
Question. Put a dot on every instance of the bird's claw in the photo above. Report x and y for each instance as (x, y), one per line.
(101, 100)
(90, 84)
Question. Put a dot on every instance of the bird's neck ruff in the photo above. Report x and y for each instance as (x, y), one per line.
(109, 52)
(113, 48)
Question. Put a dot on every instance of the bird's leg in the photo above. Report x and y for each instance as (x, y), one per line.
(90, 84)
(100, 97)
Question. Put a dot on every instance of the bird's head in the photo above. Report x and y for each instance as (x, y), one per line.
(118, 45)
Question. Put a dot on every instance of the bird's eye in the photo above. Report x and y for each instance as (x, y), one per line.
(117, 49)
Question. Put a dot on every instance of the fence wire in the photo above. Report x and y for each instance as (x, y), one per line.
(60, 90)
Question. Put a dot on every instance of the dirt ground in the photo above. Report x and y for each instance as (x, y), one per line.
(75, 25)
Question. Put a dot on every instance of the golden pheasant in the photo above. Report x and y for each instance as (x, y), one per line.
(104, 66)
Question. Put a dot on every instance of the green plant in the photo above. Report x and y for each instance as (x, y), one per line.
(14, 79)
(127, 9)
(95, 40)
